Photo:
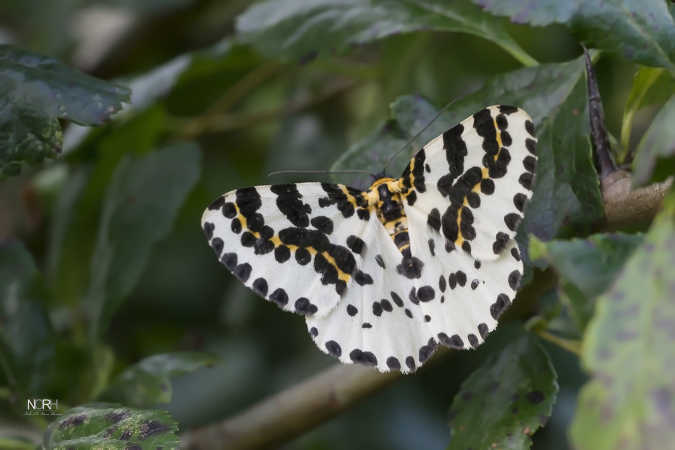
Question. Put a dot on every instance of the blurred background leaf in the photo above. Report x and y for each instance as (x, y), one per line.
(303, 30)
(655, 159)
(147, 383)
(36, 91)
(372, 86)
(586, 267)
(140, 205)
(628, 350)
(643, 32)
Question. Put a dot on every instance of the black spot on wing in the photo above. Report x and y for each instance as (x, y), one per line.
(229, 260)
(410, 267)
(334, 348)
(217, 203)
(352, 310)
(323, 224)
(356, 244)
(380, 261)
(279, 297)
(336, 197)
(497, 308)
(426, 293)
(217, 245)
(242, 271)
(289, 202)
(434, 219)
(512, 220)
(260, 286)
(531, 146)
(361, 357)
(397, 299)
(519, 201)
(248, 202)
(208, 228)
(393, 363)
(514, 279)
(501, 239)
(485, 128)
(229, 210)
(506, 109)
(455, 152)
(305, 307)
(362, 278)
(529, 127)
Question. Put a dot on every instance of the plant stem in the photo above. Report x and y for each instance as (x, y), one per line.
(568, 344)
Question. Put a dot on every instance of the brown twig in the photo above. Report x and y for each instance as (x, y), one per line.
(213, 123)
(602, 151)
(291, 412)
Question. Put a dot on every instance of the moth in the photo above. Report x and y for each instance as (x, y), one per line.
(384, 276)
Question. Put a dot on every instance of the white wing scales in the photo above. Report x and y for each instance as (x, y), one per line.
(319, 249)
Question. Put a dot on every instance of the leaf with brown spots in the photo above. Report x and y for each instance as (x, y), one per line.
(106, 425)
(628, 348)
(505, 400)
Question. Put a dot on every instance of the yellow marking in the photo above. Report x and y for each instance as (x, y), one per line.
(499, 138)
(341, 275)
(350, 197)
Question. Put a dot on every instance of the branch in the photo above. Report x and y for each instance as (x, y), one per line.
(596, 113)
(293, 411)
(288, 414)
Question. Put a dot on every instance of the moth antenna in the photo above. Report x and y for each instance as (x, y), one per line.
(311, 171)
(414, 138)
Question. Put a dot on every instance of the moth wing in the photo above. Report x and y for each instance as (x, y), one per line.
(382, 326)
(472, 183)
(291, 243)
(462, 297)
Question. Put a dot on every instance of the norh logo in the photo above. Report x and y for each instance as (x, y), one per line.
(42, 407)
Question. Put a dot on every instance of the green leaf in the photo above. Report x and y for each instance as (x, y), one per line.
(628, 348)
(642, 31)
(644, 79)
(586, 267)
(112, 426)
(77, 211)
(185, 85)
(37, 91)
(140, 205)
(655, 159)
(506, 400)
(300, 29)
(148, 383)
(539, 90)
(566, 188)
(26, 335)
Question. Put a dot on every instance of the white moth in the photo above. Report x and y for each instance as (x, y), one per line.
(385, 275)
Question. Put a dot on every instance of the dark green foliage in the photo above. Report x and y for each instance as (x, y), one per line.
(587, 267)
(656, 152)
(37, 91)
(302, 30)
(147, 383)
(641, 31)
(506, 399)
(109, 292)
(629, 351)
